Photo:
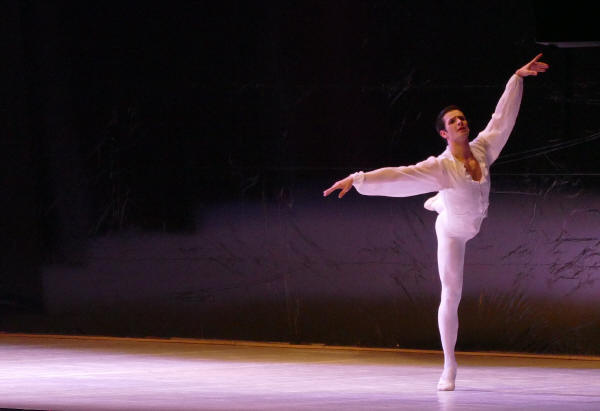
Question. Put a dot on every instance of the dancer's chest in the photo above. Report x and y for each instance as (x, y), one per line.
(473, 168)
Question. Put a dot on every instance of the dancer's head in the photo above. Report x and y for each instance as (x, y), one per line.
(451, 123)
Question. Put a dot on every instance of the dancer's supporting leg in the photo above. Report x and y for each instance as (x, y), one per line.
(451, 255)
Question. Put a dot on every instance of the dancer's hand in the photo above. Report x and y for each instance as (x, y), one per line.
(532, 68)
(345, 185)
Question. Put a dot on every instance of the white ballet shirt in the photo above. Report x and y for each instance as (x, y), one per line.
(463, 200)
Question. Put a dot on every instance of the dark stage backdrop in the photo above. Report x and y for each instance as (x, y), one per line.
(163, 165)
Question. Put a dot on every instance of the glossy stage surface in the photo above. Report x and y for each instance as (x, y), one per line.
(98, 373)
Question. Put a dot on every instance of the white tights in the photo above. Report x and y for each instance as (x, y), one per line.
(451, 257)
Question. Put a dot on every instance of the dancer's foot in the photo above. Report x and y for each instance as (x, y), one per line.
(445, 385)
(446, 382)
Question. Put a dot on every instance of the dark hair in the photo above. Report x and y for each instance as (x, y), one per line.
(439, 120)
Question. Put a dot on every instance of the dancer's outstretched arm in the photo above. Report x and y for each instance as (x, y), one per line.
(424, 177)
(497, 131)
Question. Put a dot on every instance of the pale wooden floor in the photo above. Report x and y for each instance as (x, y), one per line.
(77, 373)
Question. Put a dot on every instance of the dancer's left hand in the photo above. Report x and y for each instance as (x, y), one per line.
(532, 68)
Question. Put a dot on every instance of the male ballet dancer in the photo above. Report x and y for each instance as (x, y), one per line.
(460, 176)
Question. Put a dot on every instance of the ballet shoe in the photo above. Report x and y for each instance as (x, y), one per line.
(445, 385)
(447, 379)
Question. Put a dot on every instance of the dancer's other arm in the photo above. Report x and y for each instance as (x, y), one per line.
(503, 120)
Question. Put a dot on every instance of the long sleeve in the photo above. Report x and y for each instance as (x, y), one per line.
(423, 177)
(495, 135)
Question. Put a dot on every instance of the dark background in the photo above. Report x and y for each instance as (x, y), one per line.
(163, 165)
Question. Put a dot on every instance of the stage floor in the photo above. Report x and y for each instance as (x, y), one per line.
(84, 373)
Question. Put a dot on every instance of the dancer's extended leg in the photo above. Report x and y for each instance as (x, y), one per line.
(451, 255)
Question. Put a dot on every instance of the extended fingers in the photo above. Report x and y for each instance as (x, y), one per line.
(344, 185)
(331, 189)
(344, 191)
(536, 65)
(533, 67)
(536, 58)
(328, 191)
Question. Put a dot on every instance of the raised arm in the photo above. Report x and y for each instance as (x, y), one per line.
(496, 133)
(423, 177)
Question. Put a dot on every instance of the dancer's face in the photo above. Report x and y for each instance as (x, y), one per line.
(457, 127)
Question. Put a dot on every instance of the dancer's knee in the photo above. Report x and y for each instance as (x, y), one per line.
(451, 297)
